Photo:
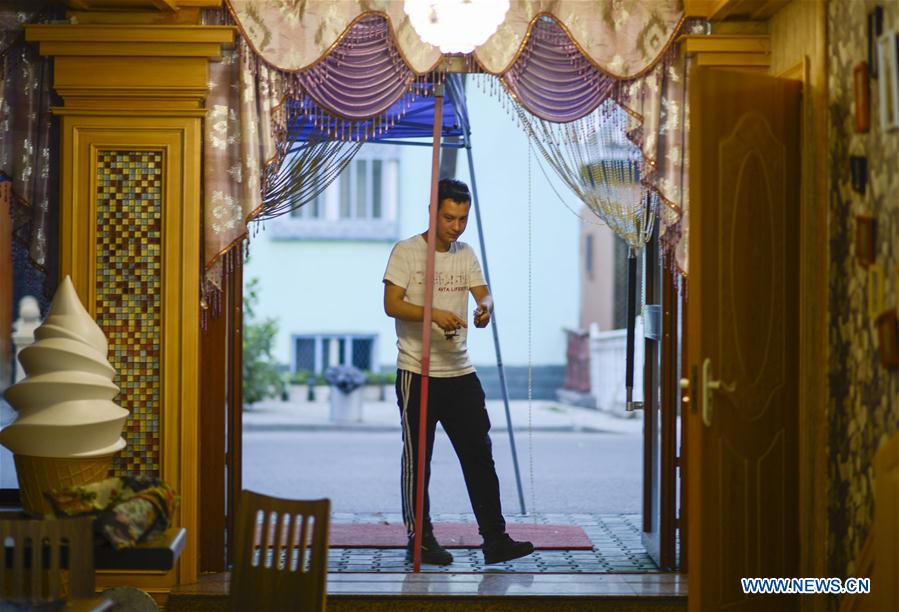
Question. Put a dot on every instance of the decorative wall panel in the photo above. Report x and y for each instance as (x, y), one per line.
(863, 407)
(129, 296)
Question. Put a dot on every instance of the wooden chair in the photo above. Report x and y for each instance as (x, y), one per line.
(36, 552)
(280, 559)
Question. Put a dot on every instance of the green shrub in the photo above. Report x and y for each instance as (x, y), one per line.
(300, 377)
(262, 375)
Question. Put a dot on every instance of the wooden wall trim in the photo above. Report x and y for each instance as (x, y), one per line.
(180, 141)
(799, 46)
(234, 462)
(130, 87)
(162, 6)
(213, 359)
(815, 285)
(737, 51)
(716, 10)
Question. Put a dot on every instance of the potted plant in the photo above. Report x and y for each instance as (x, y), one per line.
(346, 393)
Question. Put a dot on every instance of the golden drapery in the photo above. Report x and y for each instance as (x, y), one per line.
(621, 37)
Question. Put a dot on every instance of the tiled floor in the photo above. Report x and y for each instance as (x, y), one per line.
(616, 575)
(617, 548)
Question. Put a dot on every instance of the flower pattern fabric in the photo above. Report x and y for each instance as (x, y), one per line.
(659, 108)
(245, 124)
(621, 37)
(127, 509)
(25, 133)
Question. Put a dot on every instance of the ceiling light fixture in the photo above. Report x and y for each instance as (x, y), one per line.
(456, 26)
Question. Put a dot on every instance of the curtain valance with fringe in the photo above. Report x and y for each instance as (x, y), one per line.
(623, 38)
(354, 61)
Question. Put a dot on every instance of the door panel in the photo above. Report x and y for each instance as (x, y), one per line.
(742, 315)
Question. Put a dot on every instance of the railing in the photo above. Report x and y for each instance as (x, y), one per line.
(608, 351)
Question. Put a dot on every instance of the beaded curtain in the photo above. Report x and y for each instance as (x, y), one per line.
(353, 68)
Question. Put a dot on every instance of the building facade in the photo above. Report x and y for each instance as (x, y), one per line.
(320, 267)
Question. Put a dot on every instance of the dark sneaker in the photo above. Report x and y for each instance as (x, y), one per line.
(504, 548)
(431, 551)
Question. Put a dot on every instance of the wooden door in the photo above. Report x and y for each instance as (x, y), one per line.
(743, 320)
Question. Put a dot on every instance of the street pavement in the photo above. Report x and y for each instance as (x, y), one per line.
(571, 459)
(537, 416)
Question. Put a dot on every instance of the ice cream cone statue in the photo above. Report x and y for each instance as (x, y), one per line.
(67, 427)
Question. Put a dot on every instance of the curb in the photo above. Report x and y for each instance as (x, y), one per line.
(360, 428)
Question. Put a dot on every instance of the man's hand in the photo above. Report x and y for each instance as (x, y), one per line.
(481, 316)
(446, 320)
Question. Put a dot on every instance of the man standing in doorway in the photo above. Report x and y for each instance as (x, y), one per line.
(455, 398)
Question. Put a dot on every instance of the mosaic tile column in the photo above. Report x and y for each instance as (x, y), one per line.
(129, 296)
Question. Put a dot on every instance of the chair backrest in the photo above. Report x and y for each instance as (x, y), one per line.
(280, 554)
(36, 552)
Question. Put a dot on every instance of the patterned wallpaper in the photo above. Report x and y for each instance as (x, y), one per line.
(129, 294)
(863, 403)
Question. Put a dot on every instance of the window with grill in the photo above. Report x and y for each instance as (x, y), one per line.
(311, 210)
(360, 204)
(316, 352)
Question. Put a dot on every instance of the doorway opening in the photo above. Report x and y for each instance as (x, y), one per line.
(582, 460)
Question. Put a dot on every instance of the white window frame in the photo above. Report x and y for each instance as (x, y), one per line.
(329, 224)
(320, 338)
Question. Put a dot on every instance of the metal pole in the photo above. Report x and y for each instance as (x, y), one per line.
(631, 314)
(499, 355)
(426, 331)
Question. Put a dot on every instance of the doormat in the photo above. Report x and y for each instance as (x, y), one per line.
(457, 535)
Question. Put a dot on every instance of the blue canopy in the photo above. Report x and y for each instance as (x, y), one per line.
(417, 121)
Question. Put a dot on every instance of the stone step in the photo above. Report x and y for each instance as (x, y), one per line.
(496, 592)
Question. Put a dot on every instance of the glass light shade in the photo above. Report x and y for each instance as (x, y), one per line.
(455, 26)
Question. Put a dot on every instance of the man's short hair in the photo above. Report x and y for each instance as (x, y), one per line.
(454, 190)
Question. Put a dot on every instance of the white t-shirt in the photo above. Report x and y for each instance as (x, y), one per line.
(455, 273)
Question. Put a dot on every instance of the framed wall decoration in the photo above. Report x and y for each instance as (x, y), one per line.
(888, 80)
(888, 338)
(875, 290)
(858, 172)
(862, 92)
(875, 29)
(865, 236)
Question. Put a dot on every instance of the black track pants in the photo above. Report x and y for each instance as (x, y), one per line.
(458, 404)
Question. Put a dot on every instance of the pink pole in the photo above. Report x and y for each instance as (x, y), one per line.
(426, 330)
